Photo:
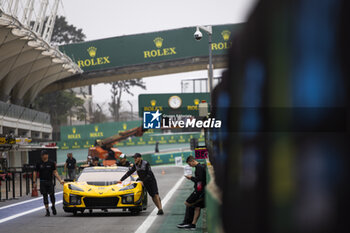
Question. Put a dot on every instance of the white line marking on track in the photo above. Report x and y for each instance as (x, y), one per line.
(24, 213)
(153, 215)
(23, 202)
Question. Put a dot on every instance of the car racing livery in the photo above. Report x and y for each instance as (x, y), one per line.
(98, 188)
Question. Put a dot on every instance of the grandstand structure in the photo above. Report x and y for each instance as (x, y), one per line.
(28, 63)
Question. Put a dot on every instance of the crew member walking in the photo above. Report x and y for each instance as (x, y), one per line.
(195, 201)
(71, 166)
(47, 171)
(146, 175)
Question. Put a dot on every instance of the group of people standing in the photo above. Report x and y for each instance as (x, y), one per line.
(194, 202)
(47, 170)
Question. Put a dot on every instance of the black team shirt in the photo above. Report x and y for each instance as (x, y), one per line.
(45, 170)
(143, 170)
(199, 175)
(71, 163)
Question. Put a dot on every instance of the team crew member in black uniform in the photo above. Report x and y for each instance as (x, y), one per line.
(146, 175)
(70, 165)
(195, 201)
(122, 162)
(47, 171)
(95, 162)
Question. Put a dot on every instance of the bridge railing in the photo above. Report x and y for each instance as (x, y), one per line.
(19, 112)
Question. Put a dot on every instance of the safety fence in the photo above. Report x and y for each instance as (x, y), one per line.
(19, 112)
(16, 182)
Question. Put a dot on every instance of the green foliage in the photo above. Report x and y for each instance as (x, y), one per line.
(118, 88)
(64, 33)
(58, 105)
(98, 115)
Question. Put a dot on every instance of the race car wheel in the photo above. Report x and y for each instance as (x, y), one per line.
(144, 200)
(82, 211)
(90, 211)
(75, 212)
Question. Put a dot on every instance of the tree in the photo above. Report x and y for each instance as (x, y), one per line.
(118, 88)
(64, 33)
(58, 104)
(98, 115)
(62, 104)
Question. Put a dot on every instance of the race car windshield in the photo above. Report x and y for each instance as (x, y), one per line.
(101, 178)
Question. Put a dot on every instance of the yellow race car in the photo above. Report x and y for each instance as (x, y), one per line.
(97, 188)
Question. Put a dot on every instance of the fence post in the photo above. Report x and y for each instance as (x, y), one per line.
(13, 186)
(20, 184)
(7, 188)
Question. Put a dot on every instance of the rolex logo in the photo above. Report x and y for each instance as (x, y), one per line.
(74, 130)
(96, 128)
(158, 42)
(92, 51)
(93, 60)
(125, 126)
(226, 35)
(159, 51)
(196, 101)
(153, 103)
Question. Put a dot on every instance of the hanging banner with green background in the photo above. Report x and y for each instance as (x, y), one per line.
(187, 103)
(84, 136)
(148, 47)
(96, 131)
(135, 141)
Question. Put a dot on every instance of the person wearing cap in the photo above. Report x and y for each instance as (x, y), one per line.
(122, 162)
(47, 172)
(89, 160)
(144, 171)
(95, 162)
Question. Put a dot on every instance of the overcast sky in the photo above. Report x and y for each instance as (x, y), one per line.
(108, 18)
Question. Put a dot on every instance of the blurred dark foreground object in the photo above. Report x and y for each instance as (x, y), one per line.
(281, 157)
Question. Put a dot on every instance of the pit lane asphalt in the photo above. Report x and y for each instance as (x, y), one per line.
(113, 221)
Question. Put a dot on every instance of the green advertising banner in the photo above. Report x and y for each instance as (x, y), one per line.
(148, 47)
(186, 103)
(146, 139)
(96, 131)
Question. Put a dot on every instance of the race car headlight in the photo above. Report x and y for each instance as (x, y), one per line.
(128, 199)
(131, 186)
(74, 199)
(74, 187)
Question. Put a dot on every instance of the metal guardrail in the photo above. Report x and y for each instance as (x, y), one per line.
(19, 112)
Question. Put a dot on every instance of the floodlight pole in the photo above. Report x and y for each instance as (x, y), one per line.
(209, 31)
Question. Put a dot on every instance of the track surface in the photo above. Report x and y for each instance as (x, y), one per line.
(113, 221)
